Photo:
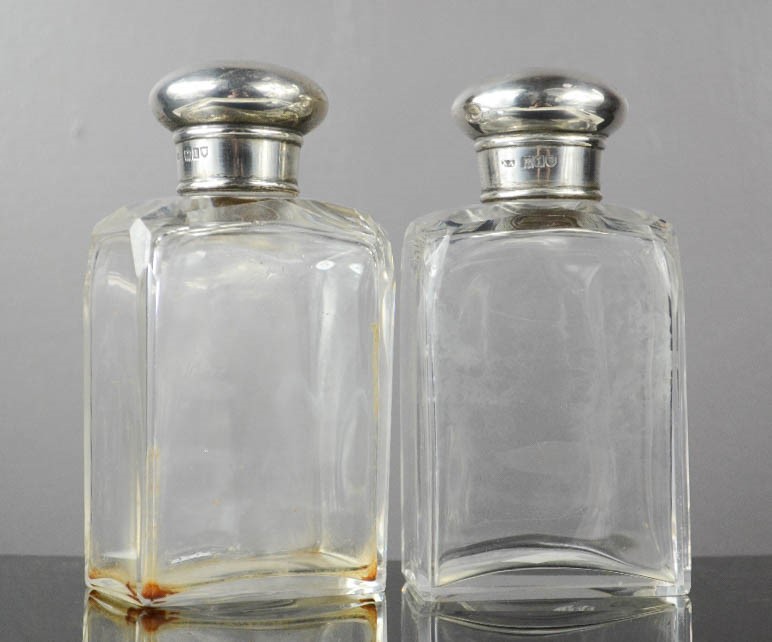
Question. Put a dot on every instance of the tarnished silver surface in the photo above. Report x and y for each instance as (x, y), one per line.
(539, 135)
(238, 126)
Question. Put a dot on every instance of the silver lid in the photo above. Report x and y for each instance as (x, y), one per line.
(252, 94)
(238, 126)
(547, 102)
(539, 135)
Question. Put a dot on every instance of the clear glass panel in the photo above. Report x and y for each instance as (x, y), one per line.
(114, 402)
(247, 371)
(543, 395)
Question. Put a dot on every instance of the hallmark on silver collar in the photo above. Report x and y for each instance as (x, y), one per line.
(537, 161)
(194, 153)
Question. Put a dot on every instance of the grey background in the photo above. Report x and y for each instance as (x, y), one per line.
(78, 141)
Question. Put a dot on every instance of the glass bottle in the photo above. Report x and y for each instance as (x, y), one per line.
(542, 368)
(238, 351)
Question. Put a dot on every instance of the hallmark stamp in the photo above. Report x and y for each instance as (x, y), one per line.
(194, 153)
(535, 161)
(539, 161)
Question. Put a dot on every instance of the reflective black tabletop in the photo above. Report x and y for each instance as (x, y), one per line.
(43, 598)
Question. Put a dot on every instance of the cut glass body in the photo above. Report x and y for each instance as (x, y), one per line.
(543, 403)
(238, 383)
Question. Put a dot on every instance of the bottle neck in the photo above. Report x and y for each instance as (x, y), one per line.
(539, 166)
(225, 158)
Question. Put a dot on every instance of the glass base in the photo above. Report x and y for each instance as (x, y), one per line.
(547, 587)
(241, 580)
(544, 574)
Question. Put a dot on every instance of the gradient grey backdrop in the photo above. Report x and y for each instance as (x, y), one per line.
(79, 141)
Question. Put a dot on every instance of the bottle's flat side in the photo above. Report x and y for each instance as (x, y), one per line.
(550, 459)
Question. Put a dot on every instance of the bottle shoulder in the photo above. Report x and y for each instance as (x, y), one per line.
(539, 216)
(200, 214)
(168, 225)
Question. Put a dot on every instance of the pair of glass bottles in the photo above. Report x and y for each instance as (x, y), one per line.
(239, 359)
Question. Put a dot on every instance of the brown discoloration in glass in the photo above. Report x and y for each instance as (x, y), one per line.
(107, 573)
(369, 572)
(132, 592)
(152, 591)
(371, 614)
(150, 619)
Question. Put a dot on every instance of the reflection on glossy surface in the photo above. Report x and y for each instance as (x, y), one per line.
(41, 599)
(537, 102)
(307, 620)
(239, 93)
(596, 620)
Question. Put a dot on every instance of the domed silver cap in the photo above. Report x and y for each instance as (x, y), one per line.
(539, 102)
(238, 126)
(539, 135)
(255, 95)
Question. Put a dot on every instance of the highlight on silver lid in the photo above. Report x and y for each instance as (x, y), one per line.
(239, 93)
(539, 102)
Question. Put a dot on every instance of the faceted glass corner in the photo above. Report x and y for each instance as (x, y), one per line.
(238, 386)
(543, 404)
